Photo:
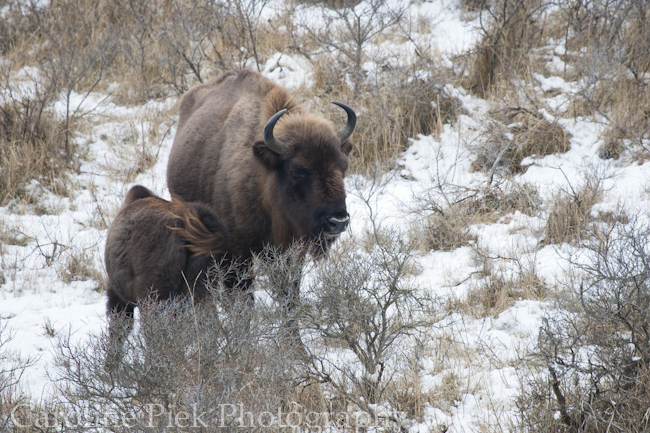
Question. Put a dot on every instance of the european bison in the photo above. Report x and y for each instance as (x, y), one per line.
(159, 249)
(272, 179)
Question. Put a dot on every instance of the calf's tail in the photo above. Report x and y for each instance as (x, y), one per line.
(203, 233)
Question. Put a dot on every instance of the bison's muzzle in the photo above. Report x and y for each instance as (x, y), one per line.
(337, 224)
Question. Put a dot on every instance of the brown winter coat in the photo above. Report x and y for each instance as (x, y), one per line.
(264, 194)
(156, 248)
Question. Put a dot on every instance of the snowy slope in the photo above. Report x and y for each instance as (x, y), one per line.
(36, 302)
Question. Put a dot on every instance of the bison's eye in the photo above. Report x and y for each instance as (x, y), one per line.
(297, 175)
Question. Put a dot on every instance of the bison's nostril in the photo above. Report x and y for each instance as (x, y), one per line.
(338, 224)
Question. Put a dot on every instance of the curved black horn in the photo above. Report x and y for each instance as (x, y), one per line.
(271, 142)
(348, 129)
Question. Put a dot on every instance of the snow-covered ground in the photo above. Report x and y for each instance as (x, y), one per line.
(36, 302)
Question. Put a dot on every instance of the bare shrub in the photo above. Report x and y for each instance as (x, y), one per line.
(361, 307)
(70, 57)
(152, 48)
(185, 43)
(346, 33)
(205, 360)
(511, 31)
(595, 346)
(281, 273)
(513, 134)
(397, 100)
(168, 47)
(138, 24)
(137, 144)
(155, 48)
(32, 144)
(606, 48)
(247, 18)
(12, 368)
(331, 4)
(226, 352)
(12, 235)
(14, 27)
(185, 35)
(571, 212)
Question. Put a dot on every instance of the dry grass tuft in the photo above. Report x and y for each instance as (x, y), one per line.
(514, 134)
(456, 364)
(79, 265)
(332, 4)
(138, 142)
(444, 232)
(630, 110)
(11, 235)
(448, 227)
(489, 204)
(501, 280)
(473, 5)
(496, 293)
(449, 391)
(148, 49)
(406, 394)
(570, 213)
(611, 148)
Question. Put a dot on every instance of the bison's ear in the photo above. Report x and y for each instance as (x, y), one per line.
(268, 157)
(346, 147)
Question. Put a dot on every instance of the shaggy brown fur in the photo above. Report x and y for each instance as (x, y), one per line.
(198, 238)
(219, 158)
(156, 248)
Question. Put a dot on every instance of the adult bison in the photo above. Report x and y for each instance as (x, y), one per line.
(271, 179)
(158, 249)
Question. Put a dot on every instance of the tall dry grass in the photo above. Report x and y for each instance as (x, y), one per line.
(570, 213)
(393, 107)
(511, 31)
(32, 145)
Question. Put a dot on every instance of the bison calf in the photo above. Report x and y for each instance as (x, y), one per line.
(159, 249)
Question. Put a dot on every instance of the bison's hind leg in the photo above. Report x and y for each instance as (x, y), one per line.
(120, 323)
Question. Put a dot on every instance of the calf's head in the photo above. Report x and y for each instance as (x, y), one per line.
(309, 159)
